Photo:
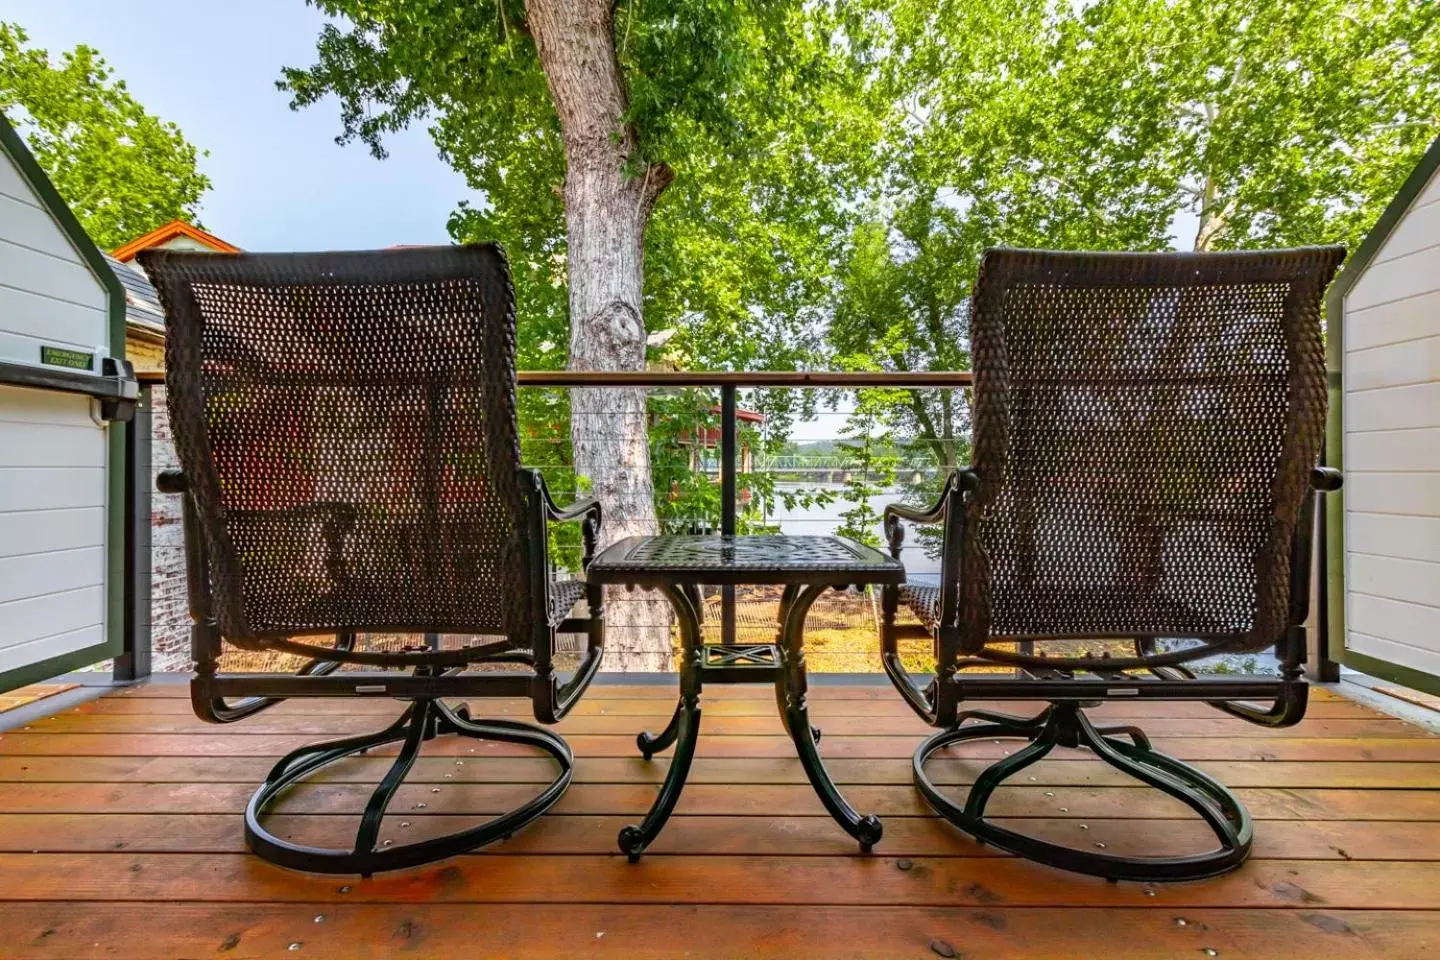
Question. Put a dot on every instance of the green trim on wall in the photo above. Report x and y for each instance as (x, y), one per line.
(14, 147)
(1394, 672)
(54, 666)
(1355, 267)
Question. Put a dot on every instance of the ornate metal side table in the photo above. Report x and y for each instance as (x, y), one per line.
(678, 566)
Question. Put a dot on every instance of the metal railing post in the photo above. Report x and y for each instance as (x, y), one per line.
(1319, 666)
(729, 463)
(133, 662)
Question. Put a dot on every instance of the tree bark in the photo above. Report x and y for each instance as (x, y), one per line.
(607, 207)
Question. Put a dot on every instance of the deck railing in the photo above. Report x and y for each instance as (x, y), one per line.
(726, 468)
(717, 399)
(729, 383)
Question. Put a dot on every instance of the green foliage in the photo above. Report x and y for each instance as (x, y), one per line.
(840, 167)
(123, 171)
(867, 443)
(761, 109)
(1093, 126)
(760, 112)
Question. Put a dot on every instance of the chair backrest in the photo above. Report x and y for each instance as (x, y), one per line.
(346, 425)
(1145, 425)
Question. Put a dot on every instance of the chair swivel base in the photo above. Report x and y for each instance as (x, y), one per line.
(422, 720)
(1065, 725)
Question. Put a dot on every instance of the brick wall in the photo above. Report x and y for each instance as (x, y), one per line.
(169, 615)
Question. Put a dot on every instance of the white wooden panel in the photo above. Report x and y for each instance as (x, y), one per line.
(1431, 193)
(44, 319)
(1397, 364)
(64, 279)
(1407, 494)
(1395, 322)
(33, 227)
(1398, 408)
(31, 405)
(1392, 445)
(1413, 581)
(53, 484)
(1418, 229)
(40, 531)
(42, 648)
(13, 185)
(34, 445)
(51, 489)
(1410, 623)
(1404, 276)
(1411, 538)
(1416, 658)
(38, 574)
(1390, 450)
(53, 613)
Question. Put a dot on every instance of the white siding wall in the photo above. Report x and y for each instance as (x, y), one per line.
(52, 455)
(52, 526)
(1392, 446)
(47, 293)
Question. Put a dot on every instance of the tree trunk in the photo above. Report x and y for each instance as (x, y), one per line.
(607, 207)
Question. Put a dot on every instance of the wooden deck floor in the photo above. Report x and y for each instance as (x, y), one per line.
(120, 836)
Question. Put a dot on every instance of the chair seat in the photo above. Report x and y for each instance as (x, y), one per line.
(923, 601)
(564, 594)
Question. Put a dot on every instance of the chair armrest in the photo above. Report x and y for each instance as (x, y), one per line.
(915, 515)
(558, 514)
(586, 509)
(171, 481)
(576, 510)
(1326, 479)
(963, 479)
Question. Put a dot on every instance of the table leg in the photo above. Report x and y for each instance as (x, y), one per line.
(791, 690)
(683, 730)
(652, 743)
(787, 600)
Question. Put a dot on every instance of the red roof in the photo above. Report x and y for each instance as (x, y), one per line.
(162, 235)
(749, 416)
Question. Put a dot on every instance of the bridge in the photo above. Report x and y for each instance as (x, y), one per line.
(830, 468)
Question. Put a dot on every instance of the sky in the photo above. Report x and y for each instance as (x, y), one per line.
(279, 180)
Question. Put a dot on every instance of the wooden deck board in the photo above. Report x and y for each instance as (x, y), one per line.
(656, 932)
(120, 836)
(733, 770)
(322, 726)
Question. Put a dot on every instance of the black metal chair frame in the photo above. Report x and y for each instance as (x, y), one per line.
(1070, 685)
(425, 677)
(226, 698)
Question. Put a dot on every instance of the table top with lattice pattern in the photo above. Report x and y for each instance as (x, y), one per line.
(742, 559)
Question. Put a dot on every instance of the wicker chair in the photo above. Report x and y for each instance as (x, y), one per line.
(347, 431)
(1146, 432)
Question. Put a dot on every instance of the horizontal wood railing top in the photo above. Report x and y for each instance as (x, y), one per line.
(914, 379)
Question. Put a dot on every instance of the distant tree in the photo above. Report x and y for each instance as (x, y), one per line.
(122, 170)
(1281, 122)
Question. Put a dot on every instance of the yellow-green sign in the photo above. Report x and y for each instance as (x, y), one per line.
(70, 359)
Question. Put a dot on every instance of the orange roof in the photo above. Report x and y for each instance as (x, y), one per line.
(163, 235)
